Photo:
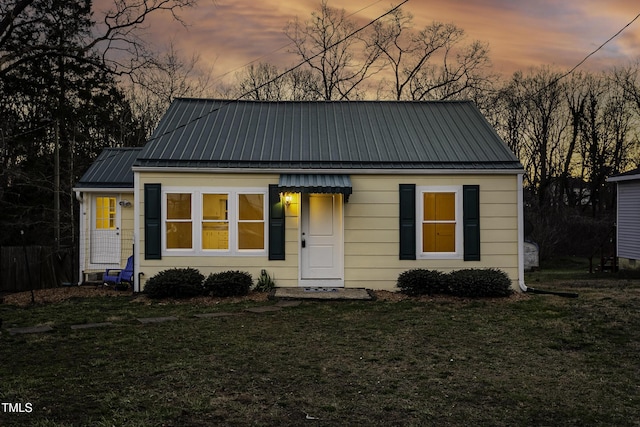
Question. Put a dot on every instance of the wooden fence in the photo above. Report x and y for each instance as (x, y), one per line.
(34, 267)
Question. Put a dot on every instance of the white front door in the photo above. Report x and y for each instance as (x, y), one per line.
(321, 241)
(104, 242)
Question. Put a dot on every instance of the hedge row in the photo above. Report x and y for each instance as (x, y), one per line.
(189, 282)
(470, 283)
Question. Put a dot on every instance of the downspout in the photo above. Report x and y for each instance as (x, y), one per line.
(523, 287)
(81, 236)
(136, 232)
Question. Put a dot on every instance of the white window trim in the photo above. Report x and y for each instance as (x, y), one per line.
(459, 252)
(196, 219)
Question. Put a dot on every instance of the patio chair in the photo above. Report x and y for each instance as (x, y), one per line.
(115, 276)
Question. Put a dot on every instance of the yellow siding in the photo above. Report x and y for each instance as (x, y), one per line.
(370, 228)
(285, 273)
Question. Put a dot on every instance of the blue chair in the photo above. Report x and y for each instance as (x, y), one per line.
(117, 276)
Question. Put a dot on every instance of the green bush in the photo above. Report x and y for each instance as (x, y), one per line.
(475, 283)
(420, 281)
(228, 284)
(175, 283)
(265, 283)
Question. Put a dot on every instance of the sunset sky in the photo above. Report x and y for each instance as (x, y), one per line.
(228, 34)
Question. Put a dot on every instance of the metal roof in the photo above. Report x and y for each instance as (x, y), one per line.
(112, 169)
(316, 183)
(206, 133)
(631, 175)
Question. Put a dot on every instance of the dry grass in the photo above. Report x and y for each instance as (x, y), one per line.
(527, 360)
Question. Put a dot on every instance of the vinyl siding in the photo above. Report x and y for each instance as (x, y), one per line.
(629, 219)
(284, 272)
(371, 228)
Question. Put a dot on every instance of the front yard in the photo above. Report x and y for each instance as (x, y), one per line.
(527, 360)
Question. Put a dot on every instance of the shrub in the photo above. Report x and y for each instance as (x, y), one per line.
(175, 283)
(474, 283)
(265, 283)
(420, 281)
(228, 283)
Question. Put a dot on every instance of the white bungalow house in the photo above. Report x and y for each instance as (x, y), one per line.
(628, 219)
(344, 194)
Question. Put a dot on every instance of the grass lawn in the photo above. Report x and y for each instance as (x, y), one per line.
(533, 360)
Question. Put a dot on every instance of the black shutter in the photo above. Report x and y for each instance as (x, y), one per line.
(471, 222)
(276, 224)
(407, 221)
(152, 221)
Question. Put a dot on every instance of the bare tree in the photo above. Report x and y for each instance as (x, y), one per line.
(260, 82)
(115, 44)
(267, 83)
(341, 61)
(606, 129)
(544, 125)
(433, 63)
(169, 77)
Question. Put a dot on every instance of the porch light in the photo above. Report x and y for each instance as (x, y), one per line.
(287, 199)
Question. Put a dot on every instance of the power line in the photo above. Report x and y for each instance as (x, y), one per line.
(221, 76)
(575, 67)
(600, 47)
(279, 76)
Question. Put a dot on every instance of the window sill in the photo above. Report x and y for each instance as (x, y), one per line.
(190, 253)
(448, 255)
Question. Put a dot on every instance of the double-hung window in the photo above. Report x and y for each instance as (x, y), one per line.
(214, 222)
(439, 222)
(179, 223)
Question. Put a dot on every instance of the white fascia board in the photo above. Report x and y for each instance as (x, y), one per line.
(635, 177)
(104, 190)
(334, 171)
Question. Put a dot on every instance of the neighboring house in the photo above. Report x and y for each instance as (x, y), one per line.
(345, 194)
(628, 219)
(105, 193)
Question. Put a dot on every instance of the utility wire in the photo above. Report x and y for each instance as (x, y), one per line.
(600, 47)
(575, 67)
(221, 76)
(279, 76)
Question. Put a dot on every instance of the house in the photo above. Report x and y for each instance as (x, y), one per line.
(628, 219)
(331, 194)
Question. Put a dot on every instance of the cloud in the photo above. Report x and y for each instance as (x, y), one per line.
(232, 33)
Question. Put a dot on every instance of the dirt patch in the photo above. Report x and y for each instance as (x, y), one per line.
(55, 295)
(398, 296)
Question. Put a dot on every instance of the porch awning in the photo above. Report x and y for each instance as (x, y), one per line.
(316, 183)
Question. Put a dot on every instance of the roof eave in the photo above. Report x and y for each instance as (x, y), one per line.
(354, 171)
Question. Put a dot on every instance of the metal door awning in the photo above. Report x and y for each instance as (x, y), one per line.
(316, 183)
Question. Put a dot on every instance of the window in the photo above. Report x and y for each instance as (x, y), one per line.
(105, 213)
(439, 226)
(214, 222)
(179, 223)
(251, 221)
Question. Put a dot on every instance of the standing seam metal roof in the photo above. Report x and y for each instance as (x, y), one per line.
(111, 169)
(326, 135)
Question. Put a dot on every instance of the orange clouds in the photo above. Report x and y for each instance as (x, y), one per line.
(228, 34)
